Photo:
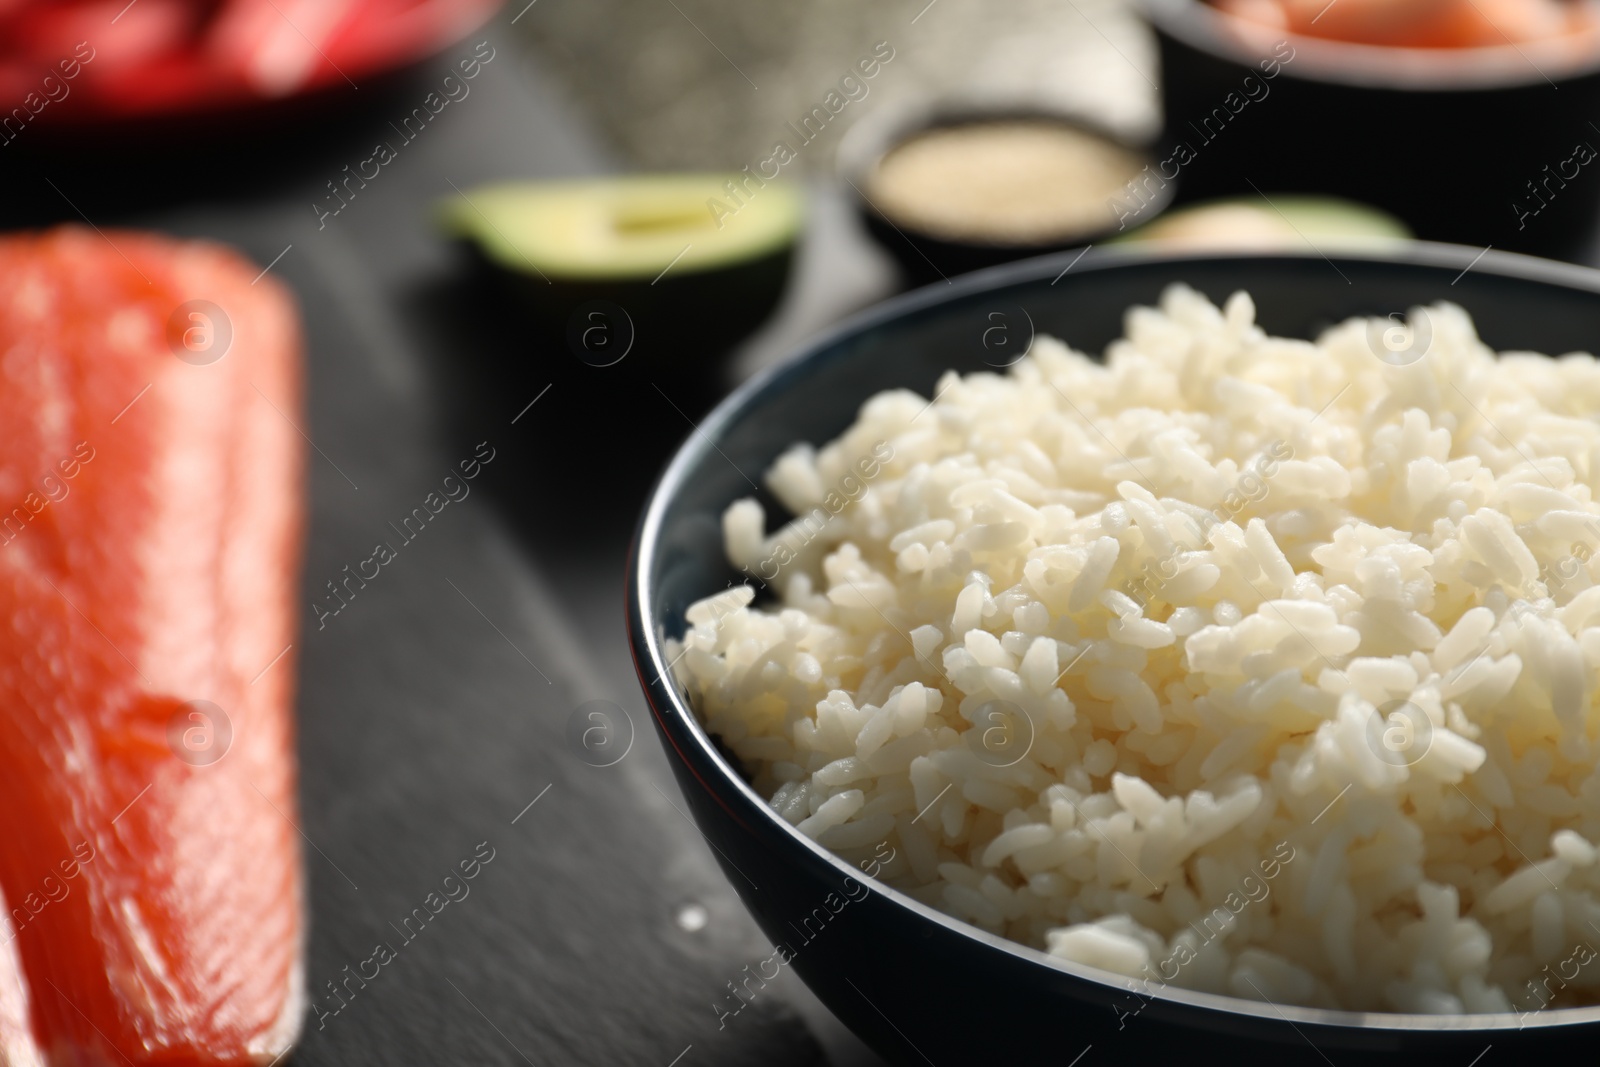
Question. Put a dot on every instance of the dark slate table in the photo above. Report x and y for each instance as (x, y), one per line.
(434, 707)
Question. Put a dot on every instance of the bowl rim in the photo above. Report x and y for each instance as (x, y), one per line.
(682, 730)
(1369, 66)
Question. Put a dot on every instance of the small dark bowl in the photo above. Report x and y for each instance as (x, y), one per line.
(922, 987)
(924, 257)
(1447, 139)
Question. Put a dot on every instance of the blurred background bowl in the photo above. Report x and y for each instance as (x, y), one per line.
(161, 102)
(1464, 144)
(920, 986)
(924, 256)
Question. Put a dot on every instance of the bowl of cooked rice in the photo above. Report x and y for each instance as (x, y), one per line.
(1132, 654)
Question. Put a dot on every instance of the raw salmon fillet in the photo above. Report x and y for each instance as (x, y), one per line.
(150, 528)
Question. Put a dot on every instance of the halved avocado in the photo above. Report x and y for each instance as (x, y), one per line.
(646, 274)
(633, 227)
(1283, 222)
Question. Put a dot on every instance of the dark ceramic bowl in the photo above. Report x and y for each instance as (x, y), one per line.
(925, 257)
(604, 341)
(1447, 139)
(917, 985)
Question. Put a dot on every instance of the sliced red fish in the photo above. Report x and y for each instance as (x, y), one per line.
(150, 526)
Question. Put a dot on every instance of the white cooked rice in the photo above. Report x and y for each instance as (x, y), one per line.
(1201, 801)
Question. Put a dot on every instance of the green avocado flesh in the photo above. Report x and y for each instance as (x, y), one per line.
(626, 228)
(1284, 222)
